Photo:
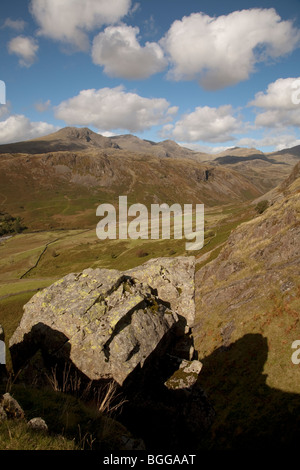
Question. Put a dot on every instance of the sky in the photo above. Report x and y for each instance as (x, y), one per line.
(209, 75)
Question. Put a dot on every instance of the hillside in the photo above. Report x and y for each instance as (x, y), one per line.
(63, 189)
(248, 303)
(264, 171)
(279, 191)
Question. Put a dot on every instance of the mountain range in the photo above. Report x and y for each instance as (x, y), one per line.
(57, 181)
(72, 170)
(78, 139)
(72, 138)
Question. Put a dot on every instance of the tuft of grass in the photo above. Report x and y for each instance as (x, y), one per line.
(15, 435)
(261, 206)
(72, 423)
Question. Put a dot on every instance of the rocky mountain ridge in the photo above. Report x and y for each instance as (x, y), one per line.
(82, 138)
(263, 170)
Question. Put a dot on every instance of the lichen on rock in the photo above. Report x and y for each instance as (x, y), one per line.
(106, 322)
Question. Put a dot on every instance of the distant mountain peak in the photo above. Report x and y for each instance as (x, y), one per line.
(70, 132)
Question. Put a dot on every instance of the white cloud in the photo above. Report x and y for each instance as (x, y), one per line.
(274, 141)
(42, 106)
(278, 118)
(110, 109)
(118, 50)
(70, 20)
(25, 48)
(135, 7)
(197, 147)
(4, 110)
(18, 127)
(107, 134)
(205, 124)
(278, 95)
(277, 104)
(224, 50)
(17, 25)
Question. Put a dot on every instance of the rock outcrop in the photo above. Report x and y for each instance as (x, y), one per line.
(173, 278)
(253, 286)
(106, 322)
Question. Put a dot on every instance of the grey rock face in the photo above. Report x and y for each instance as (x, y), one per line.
(174, 280)
(104, 321)
(186, 376)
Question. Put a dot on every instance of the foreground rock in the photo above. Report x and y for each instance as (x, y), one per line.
(37, 424)
(185, 376)
(106, 322)
(10, 408)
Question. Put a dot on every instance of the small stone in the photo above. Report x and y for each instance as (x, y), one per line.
(11, 407)
(37, 424)
(185, 377)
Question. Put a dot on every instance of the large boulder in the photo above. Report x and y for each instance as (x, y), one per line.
(106, 322)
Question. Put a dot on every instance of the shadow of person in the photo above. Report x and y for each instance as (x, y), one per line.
(249, 413)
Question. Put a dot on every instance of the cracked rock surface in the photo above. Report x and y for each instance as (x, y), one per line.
(107, 322)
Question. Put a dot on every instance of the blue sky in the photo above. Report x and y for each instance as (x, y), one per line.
(207, 74)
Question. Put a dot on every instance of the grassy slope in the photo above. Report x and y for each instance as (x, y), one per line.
(32, 261)
(62, 190)
(72, 424)
(248, 310)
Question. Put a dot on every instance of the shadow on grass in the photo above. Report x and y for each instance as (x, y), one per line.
(249, 413)
(229, 407)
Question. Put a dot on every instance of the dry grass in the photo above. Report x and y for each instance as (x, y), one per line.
(106, 397)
